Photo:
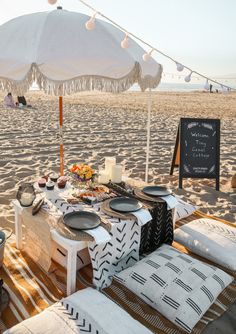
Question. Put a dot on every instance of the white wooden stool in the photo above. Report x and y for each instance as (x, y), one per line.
(71, 246)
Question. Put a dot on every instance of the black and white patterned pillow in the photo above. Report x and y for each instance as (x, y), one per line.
(210, 239)
(180, 287)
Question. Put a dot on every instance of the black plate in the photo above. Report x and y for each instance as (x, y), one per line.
(82, 220)
(125, 204)
(156, 191)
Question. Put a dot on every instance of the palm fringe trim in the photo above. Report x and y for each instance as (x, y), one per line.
(80, 84)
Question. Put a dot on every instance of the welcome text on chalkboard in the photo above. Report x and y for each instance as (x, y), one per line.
(197, 149)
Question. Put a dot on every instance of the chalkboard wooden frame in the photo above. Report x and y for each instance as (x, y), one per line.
(216, 175)
(176, 150)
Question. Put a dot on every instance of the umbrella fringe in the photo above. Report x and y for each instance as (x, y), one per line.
(80, 84)
(150, 81)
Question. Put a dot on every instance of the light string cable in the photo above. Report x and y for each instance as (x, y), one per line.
(153, 48)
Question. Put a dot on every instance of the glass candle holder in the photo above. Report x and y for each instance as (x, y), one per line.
(26, 194)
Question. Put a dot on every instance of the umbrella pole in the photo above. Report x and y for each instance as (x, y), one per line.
(61, 135)
(148, 132)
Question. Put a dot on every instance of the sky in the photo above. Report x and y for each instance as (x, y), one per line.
(198, 33)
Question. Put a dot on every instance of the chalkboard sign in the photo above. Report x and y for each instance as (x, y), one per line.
(197, 150)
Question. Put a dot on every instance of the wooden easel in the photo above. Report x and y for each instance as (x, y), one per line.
(176, 156)
(184, 155)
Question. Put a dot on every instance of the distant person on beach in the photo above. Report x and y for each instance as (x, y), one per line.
(211, 86)
(22, 102)
(9, 102)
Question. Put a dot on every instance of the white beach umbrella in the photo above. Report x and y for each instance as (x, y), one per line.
(55, 50)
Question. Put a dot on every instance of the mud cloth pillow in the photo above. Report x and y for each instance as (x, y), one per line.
(179, 287)
(210, 239)
(184, 209)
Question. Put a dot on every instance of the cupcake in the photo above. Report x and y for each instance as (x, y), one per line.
(50, 185)
(54, 177)
(61, 182)
(45, 177)
(42, 183)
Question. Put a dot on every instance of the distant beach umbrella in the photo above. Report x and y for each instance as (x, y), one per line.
(207, 86)
(56, 51)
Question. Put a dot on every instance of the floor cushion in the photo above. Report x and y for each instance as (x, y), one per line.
(210, 239)
(180, 287)
(86, 311)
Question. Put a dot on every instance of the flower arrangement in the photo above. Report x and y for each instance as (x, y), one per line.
(82, 172)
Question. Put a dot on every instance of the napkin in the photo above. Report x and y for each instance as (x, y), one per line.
(143, 216)
(171, 201)
(99, 234)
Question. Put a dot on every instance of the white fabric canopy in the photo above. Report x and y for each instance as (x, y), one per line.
(55, 50)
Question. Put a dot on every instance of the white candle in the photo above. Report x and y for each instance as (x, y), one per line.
(26, 199)
(116, 174)
(103, 177)
(109, 162)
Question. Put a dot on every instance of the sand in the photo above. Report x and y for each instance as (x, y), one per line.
(97, 125)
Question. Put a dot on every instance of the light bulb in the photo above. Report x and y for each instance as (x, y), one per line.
(207, 86)
(188, 77)
(90, 24)
(125, 43)
(52, 2)
(180, 67)
(147, 56)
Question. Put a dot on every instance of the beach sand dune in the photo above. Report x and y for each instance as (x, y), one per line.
(97, 125)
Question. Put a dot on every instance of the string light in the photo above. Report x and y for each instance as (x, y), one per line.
(90, 24)
(125, 43)
(147, 56)
(188, 77)
(179, 67)
(52, 2)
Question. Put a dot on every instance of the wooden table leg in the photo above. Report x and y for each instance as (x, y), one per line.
(71, 271)
(18, 228)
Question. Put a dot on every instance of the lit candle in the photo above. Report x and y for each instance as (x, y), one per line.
(103, 177)
(26, 199)
(109, 163)
(116, 174)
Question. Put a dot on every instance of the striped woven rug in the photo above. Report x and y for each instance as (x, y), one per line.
(31, 290)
